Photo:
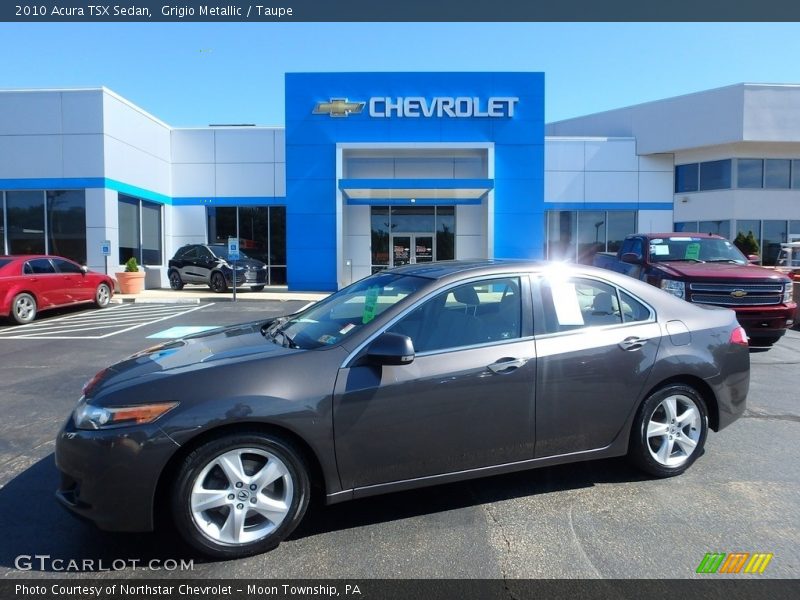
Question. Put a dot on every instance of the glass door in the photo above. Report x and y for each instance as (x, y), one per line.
(411, 248)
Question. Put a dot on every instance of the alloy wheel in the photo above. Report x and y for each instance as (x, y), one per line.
(241, 496)
(673, 430)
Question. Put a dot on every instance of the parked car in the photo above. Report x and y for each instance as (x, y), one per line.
(708, 269)
(414, 376)
(30, 284)
(209, 264)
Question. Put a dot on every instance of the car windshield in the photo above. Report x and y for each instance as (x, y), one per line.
(221, 251)
(695, 249)
(344, 313)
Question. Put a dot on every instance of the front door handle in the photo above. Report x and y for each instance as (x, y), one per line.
(507, 365)
(632, 343)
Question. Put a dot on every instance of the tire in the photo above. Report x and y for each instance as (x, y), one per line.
(236, 525)
(175, 281)
(218, 284)
(23, 308)
(669, 431)
(102, 295)
(257, 288)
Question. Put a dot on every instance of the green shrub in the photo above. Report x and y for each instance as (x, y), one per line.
(131, 266)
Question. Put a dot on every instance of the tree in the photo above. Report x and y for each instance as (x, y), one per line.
(746, 243)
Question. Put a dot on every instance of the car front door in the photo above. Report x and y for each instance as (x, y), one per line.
(190, 267)
(596, 345)
(465, 402)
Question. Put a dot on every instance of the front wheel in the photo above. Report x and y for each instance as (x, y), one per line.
(240, 495)
(669, 431)
(102, 295)
(23, 308)
(218, 284)
(257, 288)
(175, 281)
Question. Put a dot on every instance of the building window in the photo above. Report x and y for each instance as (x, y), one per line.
(750, 173)
(715, 175)
(44, 222)
(140, 231)
(579, 235)
(261, 231)
(66, 224)
(25, 213)
(777, 173)
(773, 235)
(686, 178)
(686, 226)
(721, 228)
(796, 174)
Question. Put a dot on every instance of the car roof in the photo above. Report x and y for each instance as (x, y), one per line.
(31, 256)
(680, 234)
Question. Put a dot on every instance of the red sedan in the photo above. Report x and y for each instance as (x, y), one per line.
(31, 283)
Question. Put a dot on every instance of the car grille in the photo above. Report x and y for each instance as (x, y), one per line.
(255, 276)
(729, 294)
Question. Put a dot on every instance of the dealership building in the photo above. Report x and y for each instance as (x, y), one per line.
(373, 170)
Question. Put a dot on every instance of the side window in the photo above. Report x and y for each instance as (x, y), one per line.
(65, 266)
(41, 266)
(578, 303)
(475, 313)
(27, 269)
(632, 309)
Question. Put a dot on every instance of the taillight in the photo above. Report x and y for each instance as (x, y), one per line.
(738, 336)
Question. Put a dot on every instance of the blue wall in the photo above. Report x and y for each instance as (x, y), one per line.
(311, 156)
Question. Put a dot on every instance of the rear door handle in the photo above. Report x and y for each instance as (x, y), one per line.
(632, 343)
(507, 365)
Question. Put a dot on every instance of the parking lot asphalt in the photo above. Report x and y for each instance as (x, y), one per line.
(597, 519)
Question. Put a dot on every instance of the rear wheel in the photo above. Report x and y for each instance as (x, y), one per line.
(23, 308)
(175, 281)
(241, 494)
(218, 283)
(102, 295)
(670, 431)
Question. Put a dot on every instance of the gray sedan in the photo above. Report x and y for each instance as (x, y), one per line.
(415, 376)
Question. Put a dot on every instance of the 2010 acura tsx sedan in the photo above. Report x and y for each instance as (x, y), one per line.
(423, 374)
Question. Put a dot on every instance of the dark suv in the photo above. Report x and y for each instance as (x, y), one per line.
(209, 264)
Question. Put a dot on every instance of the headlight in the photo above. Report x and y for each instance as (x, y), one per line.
(676, 288)
(88, 416)
(787, 292)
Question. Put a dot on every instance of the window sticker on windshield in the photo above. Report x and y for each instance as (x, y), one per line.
(346, 328)
(565, 300)
(370, 303)
(660, 250)
(327, 339)
(692, 251)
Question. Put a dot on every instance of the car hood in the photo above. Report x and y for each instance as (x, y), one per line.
(247, 263)
(719, 271)
(202, 349)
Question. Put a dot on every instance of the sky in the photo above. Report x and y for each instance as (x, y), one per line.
(194, 74)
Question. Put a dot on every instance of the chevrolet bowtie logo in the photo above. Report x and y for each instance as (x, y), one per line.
(738, 293)
(338, 107)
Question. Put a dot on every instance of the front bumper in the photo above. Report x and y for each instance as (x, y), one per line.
(110, 477)
(249, 277)
(761, 322)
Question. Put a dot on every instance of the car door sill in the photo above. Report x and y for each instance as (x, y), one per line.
(408, 484)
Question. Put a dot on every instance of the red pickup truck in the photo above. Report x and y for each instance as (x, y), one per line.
(708, 269)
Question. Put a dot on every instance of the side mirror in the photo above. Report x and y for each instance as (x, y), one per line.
(84, 269)
(391, 349)
(631, 258)
(753, 259)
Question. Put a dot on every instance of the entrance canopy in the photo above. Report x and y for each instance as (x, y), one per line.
(434, 191)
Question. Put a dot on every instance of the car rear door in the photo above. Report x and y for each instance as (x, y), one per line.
(45, 282)
(465, 402)
(596, 345)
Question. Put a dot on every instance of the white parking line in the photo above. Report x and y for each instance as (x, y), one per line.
(93, 326)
